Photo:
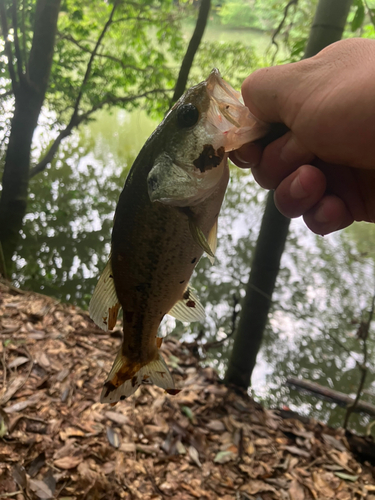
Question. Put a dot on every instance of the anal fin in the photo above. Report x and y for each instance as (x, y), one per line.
(188, 308)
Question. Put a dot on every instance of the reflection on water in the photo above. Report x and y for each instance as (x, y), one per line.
(323, 287)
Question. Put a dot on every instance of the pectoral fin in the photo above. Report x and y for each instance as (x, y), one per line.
(188, 308)
(199, 238)
(212, 241)
(104, 304)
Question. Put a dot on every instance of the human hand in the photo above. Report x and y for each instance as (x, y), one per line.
(324, 167)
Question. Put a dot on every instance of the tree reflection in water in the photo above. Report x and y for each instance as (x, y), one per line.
(323, 290)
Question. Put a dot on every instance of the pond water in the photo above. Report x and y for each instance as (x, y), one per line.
(323, 287)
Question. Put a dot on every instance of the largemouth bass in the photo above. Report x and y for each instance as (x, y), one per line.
(165, 219)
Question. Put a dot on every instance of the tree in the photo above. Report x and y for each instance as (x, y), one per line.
(73, 59)
(328, 26)
(195, 41)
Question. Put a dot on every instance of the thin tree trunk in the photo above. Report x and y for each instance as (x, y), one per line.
(257, 302)
(328, 26)
(194, 43)
(29, 96)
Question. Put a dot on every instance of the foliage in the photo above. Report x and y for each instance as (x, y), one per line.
(248, 14)
(234, 59)
(90, 72)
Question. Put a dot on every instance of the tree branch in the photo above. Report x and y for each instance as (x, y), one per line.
(280, 26)
(16, 41)
(364, 335)
(39, 167)
(8, 47)
(106, 56)
(91, 60)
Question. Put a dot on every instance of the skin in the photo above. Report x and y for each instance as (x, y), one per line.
(324, 167)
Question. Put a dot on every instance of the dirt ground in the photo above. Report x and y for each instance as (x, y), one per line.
(58, 441)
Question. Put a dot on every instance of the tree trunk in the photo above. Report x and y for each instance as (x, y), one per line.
(256, 304)
(328, 26)
(29, 96)
(194, 43)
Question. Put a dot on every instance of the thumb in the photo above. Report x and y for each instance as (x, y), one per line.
(266, 93)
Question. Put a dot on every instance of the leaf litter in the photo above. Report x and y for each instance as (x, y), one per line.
(208, 442)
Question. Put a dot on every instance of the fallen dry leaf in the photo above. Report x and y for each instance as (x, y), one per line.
(67, 462)
(147, 447)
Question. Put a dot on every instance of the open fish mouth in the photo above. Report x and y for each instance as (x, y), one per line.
(228, 114)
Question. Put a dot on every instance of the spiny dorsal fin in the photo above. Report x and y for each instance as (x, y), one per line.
(188, 308)
(212, 242)
(104, 305)
(199, 238)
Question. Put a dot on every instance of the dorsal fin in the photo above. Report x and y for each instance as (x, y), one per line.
(188, 308)
(104, 304)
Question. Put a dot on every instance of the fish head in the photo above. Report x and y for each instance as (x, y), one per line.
(204, 125)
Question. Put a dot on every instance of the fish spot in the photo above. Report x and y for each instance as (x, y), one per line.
(134, 381)
(186, 294)
(129, 316)
(190, 303)
(111, 276)
(183, 281)
(162, 374)
(209, 158)
(122, 397)
(110, 388)
(194, 260)
(173, 392)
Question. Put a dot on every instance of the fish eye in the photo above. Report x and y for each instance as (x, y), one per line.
(187, 115)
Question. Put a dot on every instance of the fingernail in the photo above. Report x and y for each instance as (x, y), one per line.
(320, 215)
(296, 189)
(239, 157)
(250, 164)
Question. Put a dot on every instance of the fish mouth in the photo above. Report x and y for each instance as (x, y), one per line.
(229, 115)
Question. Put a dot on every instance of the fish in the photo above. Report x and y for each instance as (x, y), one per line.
(165, 219)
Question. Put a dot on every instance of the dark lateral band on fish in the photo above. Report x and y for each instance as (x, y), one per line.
(166, 217)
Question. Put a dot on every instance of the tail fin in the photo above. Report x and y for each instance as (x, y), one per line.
(124, 380)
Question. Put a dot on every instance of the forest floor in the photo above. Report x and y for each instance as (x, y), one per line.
(207, 442)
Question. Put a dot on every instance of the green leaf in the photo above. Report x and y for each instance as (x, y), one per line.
(224, 456)
(359, 16)
(347, 477)
(187, 411)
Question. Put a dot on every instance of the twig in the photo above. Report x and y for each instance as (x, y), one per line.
(370, 13)
(106, 56)
(39, 167)
(216, 343)
(91, 60)
(280, 26)
(363, 366)
(3, 361)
